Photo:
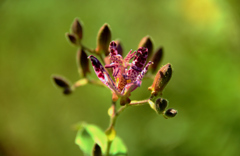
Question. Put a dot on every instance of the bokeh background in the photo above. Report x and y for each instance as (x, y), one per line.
(200, 40)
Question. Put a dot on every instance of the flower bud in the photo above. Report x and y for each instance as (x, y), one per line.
(170, 113)
(67, 91)
(161, 105)
(119, 47)
(82, 61)
(156, 59)
(161, 79)
(96, 150)
(71, 38)
(147, 43)
(77, 29)
(61, 82)
(103, 39)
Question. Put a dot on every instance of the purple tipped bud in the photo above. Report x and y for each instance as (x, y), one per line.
(103, 39)
(147, 43)
(77, 29)
(156, 58)
(170, 113)
(67, 91)
(161, 79)
(61, 82)
(71, 38)
(82, 60)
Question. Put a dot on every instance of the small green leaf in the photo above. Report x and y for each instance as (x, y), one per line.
(88, 135)
(118, 147)
(84, 141)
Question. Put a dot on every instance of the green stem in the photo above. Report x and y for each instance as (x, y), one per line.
(114, 116)
(108, 147)
(138, 103)
(88, 49)
(85, 81)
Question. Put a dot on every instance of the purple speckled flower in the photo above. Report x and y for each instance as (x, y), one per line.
(128, 76)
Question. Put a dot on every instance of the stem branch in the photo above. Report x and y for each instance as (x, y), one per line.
(115, 114)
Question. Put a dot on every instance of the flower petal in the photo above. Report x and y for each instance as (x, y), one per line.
(129, 56)
(144, 71)
(103, 75)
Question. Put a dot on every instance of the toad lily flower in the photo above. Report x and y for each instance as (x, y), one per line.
(127, 76)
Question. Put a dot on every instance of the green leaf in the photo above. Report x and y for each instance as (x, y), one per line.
(118, 148)
(88, 135)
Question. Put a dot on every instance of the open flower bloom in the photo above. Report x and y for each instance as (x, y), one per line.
(128, 76)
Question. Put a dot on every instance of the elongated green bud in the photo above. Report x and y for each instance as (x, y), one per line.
(77, 29)
(83, 62)
(161, 79)
(156, 59)
(71, 38)
(103, 39)
(119, 47)
(63, 83)
(147, 43)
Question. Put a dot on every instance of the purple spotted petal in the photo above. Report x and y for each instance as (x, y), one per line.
(144, 71)
(132, 86)
(103, 75)
(129, 56)
(137, 64)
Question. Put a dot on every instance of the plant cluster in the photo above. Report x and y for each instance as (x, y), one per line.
(122, 76)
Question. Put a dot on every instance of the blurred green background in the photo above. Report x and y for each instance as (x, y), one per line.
(200, 39)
